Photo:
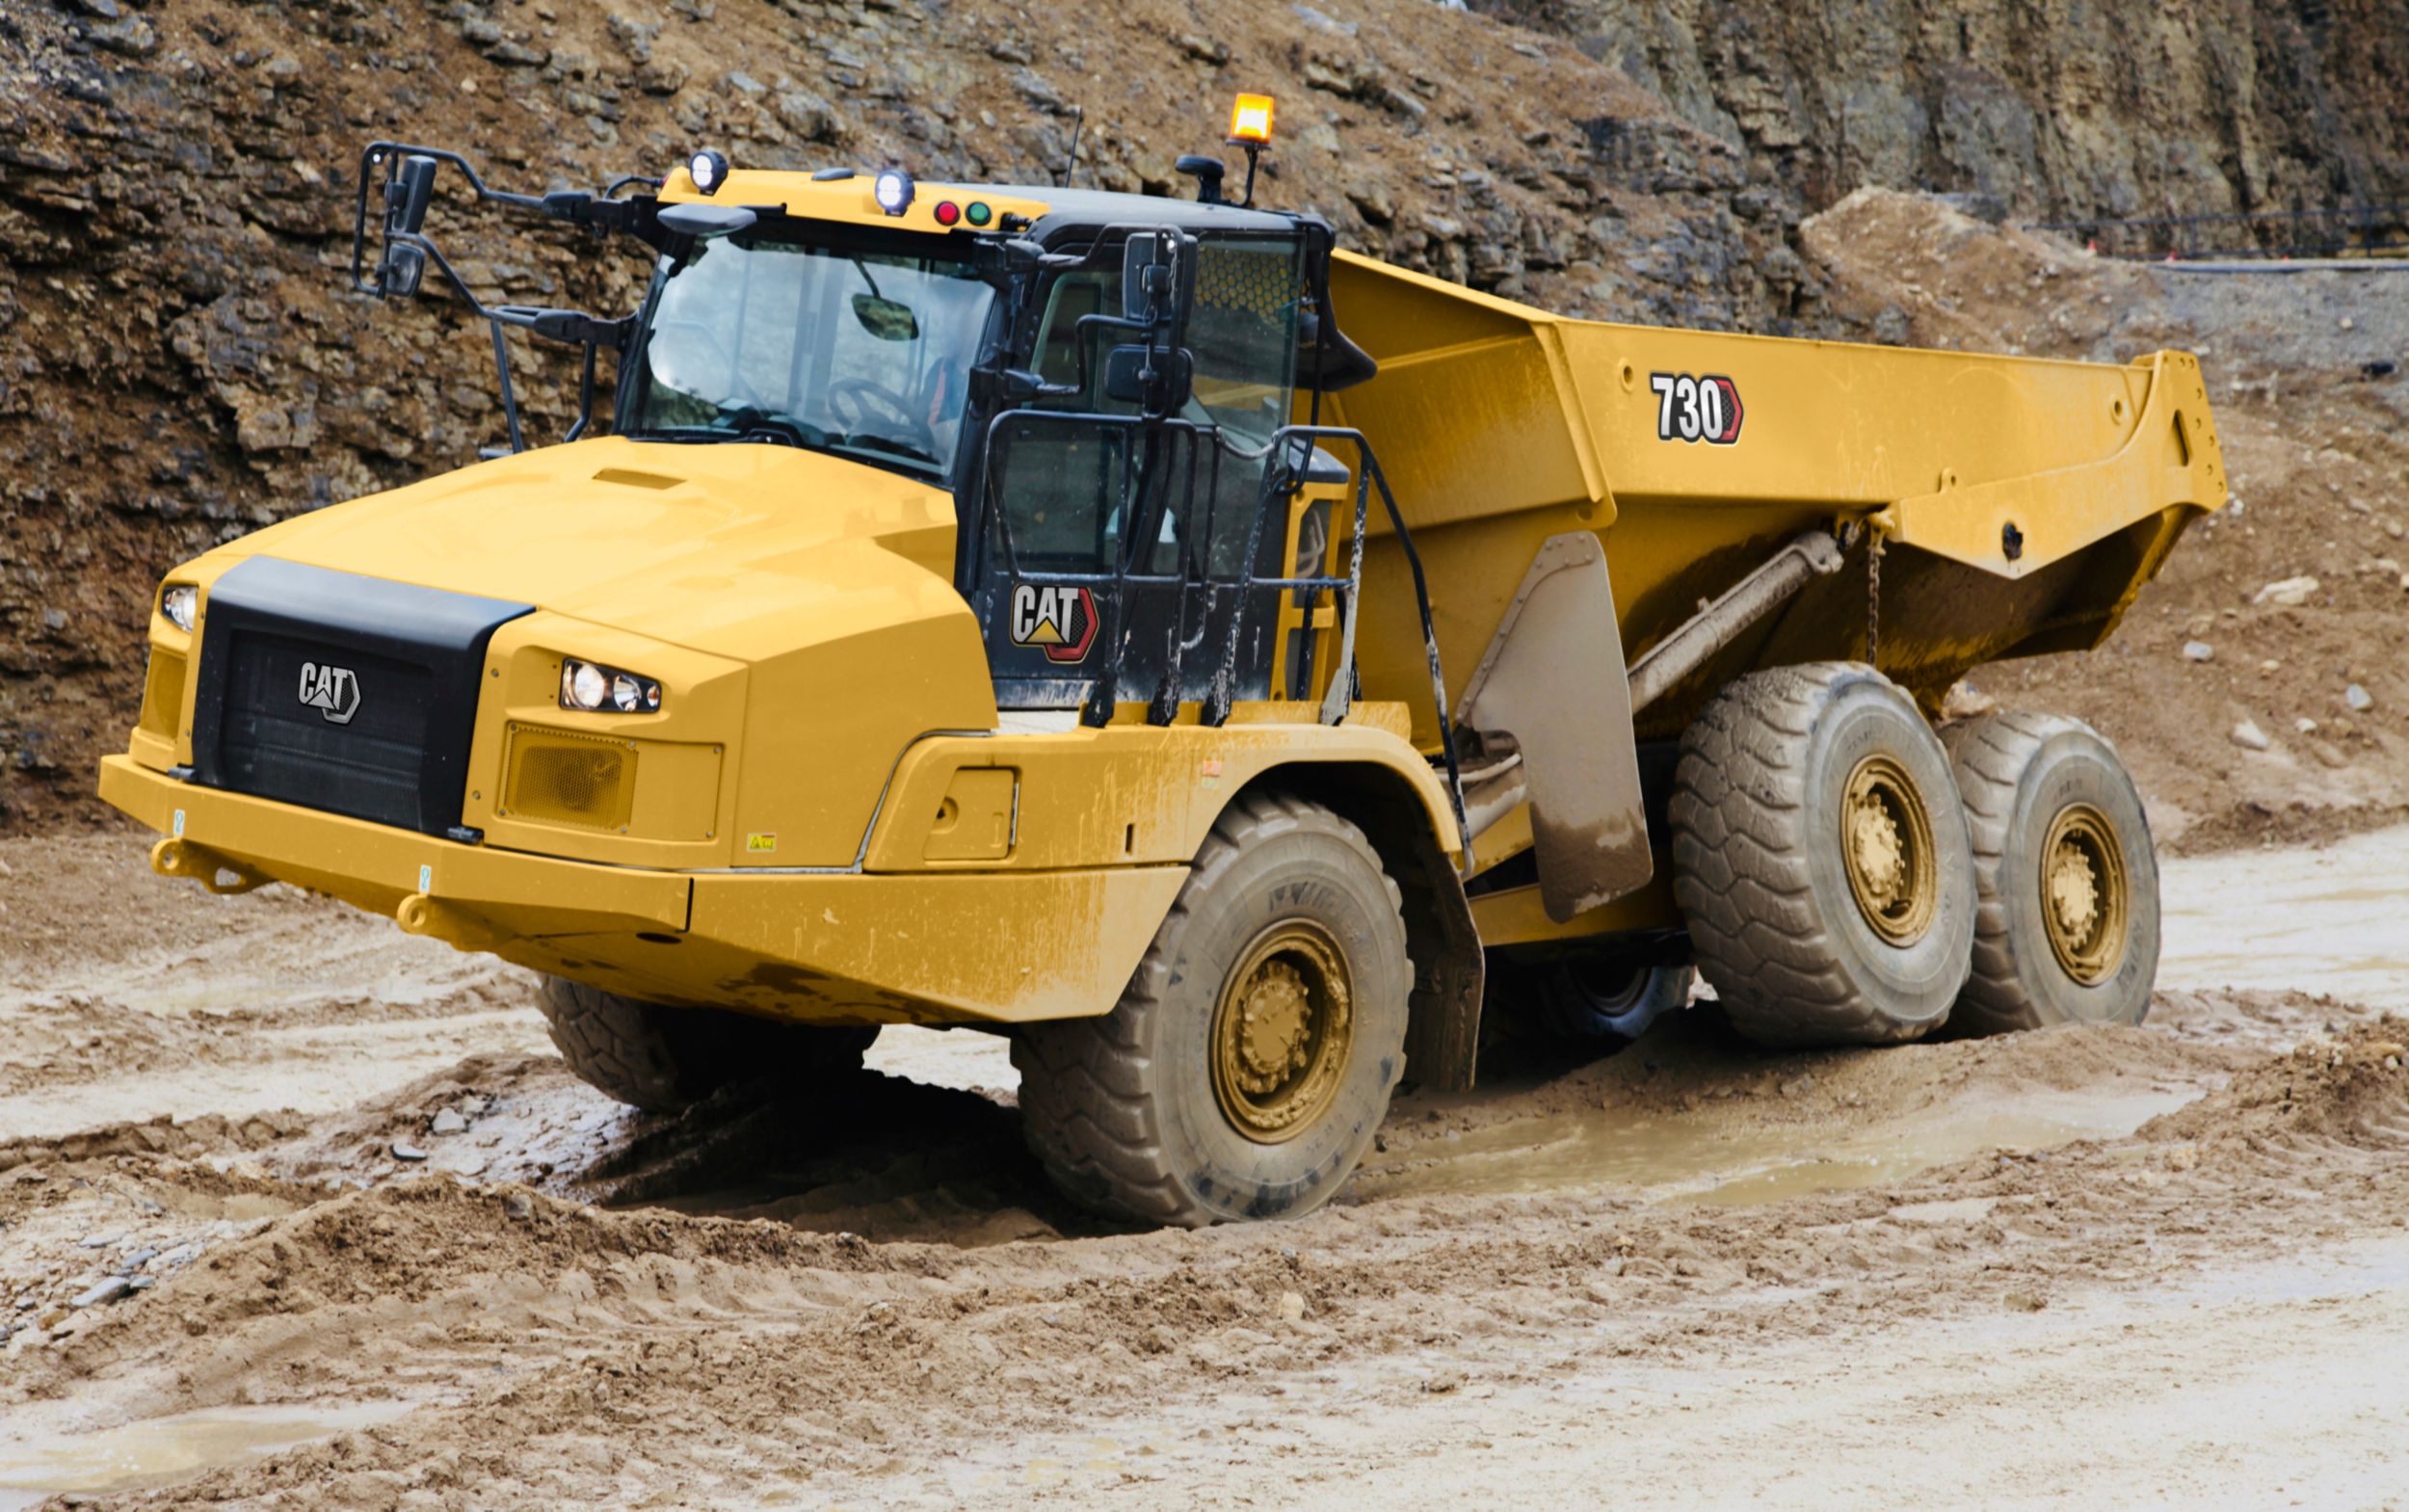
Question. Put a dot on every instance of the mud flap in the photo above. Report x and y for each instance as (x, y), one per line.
(1553, 681)
(1443, 1030)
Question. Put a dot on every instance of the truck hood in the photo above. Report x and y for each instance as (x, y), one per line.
(698, 546)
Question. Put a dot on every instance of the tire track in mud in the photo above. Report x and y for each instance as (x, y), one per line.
(569, 1353)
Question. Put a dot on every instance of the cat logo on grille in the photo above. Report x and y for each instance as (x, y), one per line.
(1060, 619)
(332, 691)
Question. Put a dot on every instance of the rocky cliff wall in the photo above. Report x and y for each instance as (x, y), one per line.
(2054, 108)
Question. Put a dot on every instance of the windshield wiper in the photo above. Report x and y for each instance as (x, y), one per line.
(883, 451)
(885, 448)
(745, 425)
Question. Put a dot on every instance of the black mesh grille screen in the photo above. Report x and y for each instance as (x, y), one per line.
(274, 745)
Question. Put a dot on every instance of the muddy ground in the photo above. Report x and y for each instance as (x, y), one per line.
(345, 1235)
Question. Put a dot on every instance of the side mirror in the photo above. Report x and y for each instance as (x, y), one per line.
(1146, 279)
(408, 196)
(1157, 380)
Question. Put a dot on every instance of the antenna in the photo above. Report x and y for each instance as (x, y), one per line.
(1078, 120)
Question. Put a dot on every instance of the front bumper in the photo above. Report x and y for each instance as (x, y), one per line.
(819, 948)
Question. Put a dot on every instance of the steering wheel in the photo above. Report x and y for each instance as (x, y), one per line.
(865, 397)
(737, 386)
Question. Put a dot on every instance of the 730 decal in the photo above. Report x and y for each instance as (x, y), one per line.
(1696, 409)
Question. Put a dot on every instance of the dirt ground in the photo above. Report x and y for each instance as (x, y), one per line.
(345, 1235)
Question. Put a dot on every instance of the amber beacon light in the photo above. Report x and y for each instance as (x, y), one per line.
(1249, 120)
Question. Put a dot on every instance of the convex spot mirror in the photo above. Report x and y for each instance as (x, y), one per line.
(1156, 379)
(705, 219)
(886, 319)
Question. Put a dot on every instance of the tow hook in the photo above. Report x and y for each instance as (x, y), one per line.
(178, 857)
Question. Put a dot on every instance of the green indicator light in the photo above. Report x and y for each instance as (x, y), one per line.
(978, 214)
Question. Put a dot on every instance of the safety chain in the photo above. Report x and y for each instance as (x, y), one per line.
(1873, 599)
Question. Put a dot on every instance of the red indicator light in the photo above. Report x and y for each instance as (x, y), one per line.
(948, 212)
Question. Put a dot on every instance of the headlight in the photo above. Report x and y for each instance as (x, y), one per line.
(892, 189)
(588, 686)
(181, 602)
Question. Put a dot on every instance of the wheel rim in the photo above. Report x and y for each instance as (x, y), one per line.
(1886, 848)
(1281, 1031)
(2086, 898)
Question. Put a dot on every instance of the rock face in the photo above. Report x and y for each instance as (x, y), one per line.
(182, 361)
(2059, 109)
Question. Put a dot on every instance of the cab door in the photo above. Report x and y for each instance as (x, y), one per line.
(1113, 564)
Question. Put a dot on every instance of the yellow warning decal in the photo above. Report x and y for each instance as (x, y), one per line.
(762, 844)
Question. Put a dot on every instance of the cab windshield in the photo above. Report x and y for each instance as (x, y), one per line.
(860, 346)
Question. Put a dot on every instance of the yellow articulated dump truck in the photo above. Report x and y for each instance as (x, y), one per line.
(1135, 626)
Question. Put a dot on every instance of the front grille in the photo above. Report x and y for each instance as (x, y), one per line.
(273, 744)
(346, 694)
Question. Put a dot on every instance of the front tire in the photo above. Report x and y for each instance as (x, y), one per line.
(2068, 928)
(1251, 1059)
(1822, 859)
(665, 1059)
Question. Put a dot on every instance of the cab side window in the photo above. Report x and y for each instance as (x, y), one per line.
(1243, 335)
(1059, 481)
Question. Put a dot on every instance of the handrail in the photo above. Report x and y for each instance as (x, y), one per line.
(1194, 569)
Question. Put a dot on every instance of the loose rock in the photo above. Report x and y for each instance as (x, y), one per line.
(2250, 737)
(108, 1291)
(2288, 592)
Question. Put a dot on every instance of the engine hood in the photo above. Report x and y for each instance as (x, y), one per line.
(703, 546)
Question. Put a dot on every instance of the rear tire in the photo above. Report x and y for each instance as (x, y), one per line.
(1250, 1058)
(2068, 927)
(665, 1059)
(1822, 859)
(1603, 1003)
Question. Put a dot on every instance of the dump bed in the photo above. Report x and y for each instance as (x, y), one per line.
(2023, 500)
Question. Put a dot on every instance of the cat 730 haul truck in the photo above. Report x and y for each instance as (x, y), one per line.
(1136, 626)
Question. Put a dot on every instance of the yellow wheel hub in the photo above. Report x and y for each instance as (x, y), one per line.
(1281, 1031)
(1886, 848)
(2085, 900)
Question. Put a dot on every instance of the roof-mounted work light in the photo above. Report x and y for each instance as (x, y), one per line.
(892, 189)
(709, 170)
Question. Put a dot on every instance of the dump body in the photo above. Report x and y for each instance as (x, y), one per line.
(1499, 425)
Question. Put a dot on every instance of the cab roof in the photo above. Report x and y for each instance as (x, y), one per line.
(1051, 212)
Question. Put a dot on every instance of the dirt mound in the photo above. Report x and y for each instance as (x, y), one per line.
(2353, 1089)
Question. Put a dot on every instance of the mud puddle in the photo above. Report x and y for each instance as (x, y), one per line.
(2334, 922)
(156, 1450)
(1707, 1158)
